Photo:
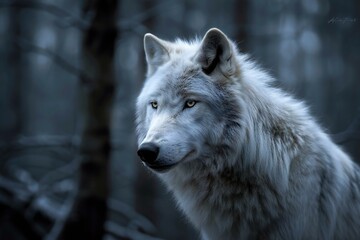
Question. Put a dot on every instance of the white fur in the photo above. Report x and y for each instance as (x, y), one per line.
(251, 162)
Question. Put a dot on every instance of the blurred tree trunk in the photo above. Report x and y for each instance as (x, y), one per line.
(241, 19)
(86, 221)
(15, 78)
(145, 190)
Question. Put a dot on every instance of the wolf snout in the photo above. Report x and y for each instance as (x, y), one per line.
(148, 152)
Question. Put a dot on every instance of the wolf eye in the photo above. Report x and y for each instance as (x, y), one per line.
(154, 104)
(190, 103)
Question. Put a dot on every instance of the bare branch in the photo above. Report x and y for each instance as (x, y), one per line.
(13, 187)
(50, 208)
(351, 133)
(125, 233)
(65, 16)
(137, 219)
(42, 141)
(137, 19)
(16, 215)
(66, 170)
(67, 19)
(60, 221)
(27, 46)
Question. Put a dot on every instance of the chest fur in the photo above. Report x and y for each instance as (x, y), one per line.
(226, 200)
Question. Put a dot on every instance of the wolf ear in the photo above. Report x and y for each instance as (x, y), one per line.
(217, 53)
(156, 52)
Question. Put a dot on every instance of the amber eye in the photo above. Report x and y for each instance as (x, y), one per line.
(154, 104)
(190, 103)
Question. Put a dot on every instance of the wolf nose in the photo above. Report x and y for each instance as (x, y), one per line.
(148, 152)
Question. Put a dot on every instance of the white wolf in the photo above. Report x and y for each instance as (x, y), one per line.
(243, 159)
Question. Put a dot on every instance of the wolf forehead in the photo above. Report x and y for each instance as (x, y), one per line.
(178, 79)
(184, 82)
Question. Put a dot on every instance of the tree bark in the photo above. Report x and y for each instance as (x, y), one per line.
(88, 215)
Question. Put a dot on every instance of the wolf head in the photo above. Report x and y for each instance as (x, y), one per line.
(187, 105)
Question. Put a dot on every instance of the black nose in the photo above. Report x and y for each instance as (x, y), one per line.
(148, 152)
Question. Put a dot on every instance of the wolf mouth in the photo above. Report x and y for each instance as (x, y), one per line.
(167, 167)
(161, 168)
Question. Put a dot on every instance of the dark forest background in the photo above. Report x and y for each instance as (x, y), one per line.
(70, 72)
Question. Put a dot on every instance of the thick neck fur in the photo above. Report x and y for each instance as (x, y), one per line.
(256, 178)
